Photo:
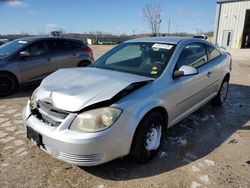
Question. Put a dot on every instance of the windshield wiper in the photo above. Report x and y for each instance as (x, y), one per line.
(107, 68)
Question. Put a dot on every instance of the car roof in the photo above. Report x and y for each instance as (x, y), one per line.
(37, 38)
(171, 40)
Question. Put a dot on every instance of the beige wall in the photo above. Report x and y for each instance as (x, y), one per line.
(232, 17)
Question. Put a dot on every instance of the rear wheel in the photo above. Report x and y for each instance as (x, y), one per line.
(147, 139)
(8, 84)
(84, 64)
(222, 94)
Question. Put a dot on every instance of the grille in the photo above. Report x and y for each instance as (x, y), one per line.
(49, 114)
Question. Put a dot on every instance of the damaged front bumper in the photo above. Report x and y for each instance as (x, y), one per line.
(83, 149)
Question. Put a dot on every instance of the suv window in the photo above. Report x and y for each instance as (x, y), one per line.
(212, 52)
(65, 45)
(38, 49)
(193, 55)
(74, 45)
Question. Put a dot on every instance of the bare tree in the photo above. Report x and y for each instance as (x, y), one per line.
(152, 15)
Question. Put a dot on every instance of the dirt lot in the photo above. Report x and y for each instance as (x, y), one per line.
(210, 148)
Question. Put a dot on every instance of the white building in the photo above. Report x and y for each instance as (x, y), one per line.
(232, 24)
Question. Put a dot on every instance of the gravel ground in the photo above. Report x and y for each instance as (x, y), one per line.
(210, 148)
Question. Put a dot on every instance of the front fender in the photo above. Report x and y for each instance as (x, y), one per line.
(140, 110)
(148, 107)
(85, 57)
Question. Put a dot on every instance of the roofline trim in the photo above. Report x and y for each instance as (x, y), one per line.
(229, 1)
(169, 40)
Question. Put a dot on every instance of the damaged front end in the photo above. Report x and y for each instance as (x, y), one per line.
(123, 93)
(53, 116)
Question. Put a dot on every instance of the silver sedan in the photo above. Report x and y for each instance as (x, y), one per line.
(126, 100)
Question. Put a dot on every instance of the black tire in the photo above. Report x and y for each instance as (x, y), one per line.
(8, 84)
(222, 94)
(140, 150)
(84, 64)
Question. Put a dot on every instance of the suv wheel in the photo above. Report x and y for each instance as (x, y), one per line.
(147, 139)
(8, 84)
(84, 64)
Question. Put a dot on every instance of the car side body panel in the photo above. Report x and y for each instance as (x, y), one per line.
(13, 69)
(36, 68)
(178, 100)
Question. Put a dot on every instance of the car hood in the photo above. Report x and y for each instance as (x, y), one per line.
(76, 88)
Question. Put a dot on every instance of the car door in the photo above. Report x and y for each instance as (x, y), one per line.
(215, 62)
(39, 63)
(191, 91)
(66, 52)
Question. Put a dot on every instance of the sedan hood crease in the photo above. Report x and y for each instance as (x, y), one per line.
(75, 89)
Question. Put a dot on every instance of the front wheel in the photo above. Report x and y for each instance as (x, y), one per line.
(147, 138)
(222, 94)
(84, 64)
(8, 85)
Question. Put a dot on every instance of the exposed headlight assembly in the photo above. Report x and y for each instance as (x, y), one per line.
(33, 99)
(95, 120)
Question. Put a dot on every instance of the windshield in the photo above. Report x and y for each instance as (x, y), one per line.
(11, 47)
(146, 59)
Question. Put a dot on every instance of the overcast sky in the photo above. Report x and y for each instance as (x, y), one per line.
(112, 16)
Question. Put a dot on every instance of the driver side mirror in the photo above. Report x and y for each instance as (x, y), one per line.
(24, 54)
(185, 71)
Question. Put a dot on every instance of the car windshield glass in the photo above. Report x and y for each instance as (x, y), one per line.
(11, 47)
(146, 59)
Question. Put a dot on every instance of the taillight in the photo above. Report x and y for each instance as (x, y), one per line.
(89, 51)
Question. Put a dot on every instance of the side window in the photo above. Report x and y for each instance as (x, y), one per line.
(212, 52)
(74, 45)
(38, 49)
(193, 55)
(59, 46)
(66, 45)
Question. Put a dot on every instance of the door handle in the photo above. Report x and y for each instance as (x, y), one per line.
(209, 74)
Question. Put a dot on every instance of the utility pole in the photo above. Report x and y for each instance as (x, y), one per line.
(177, 28)
(158, 25)
(133, 32)
(169, 21)
(197, 29)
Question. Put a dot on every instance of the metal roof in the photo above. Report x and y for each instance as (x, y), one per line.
(229, 1)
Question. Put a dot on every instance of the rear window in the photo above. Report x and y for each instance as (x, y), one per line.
(66, 45)
(74, 45)
(212, 52)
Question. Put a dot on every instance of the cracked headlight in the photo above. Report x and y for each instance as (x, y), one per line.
(95, 120)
